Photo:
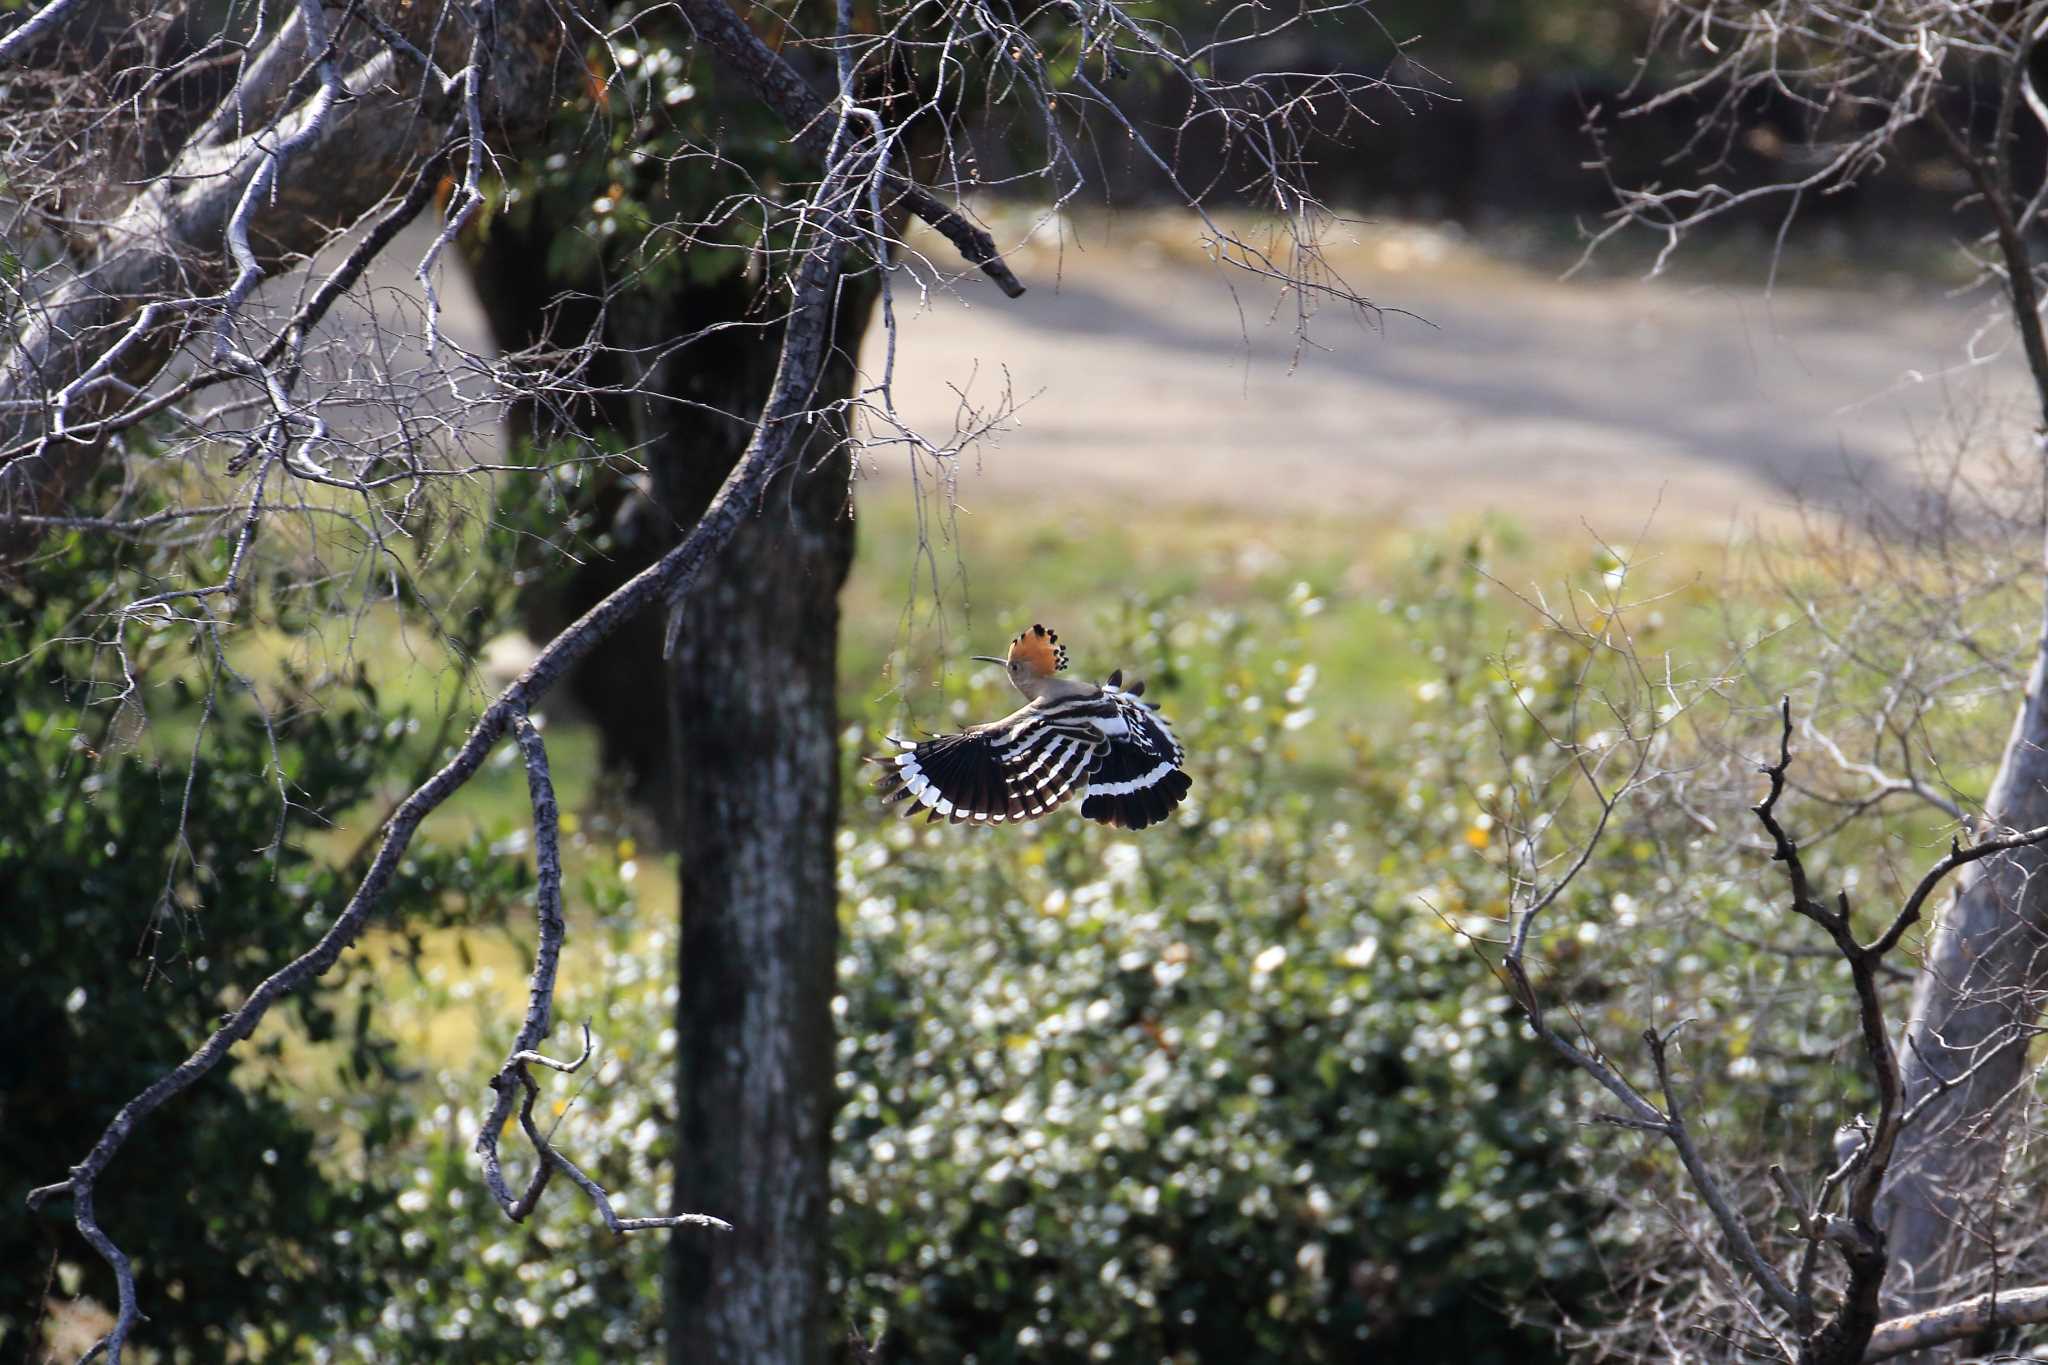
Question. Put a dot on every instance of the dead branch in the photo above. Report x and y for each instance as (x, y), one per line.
(791, 97)
(514, 1081)
(1958, 1321)
(803, 354)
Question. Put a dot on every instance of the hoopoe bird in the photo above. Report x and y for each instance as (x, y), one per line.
(1069, 739)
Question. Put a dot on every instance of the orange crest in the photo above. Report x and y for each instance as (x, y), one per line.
(1040, 650)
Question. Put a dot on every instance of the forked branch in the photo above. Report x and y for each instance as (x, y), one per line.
(784, 90)
(806, 340)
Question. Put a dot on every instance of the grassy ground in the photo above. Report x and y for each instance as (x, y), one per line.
(911, 611)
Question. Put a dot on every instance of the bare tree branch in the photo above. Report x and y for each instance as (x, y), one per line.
(514, 1081)
(17, 40)
(1915, 1204)
(98, 339)
(1957, 1321)
(782, 89)
(803, 354)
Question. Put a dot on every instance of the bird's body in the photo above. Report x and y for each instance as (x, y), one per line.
(1069, 739)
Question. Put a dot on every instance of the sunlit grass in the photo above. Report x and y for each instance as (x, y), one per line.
(1361, 245)
(914, 611)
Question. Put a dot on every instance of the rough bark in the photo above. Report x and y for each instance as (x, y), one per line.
(754, 713)
(1955, 1321)
(738, 746)
(1980, 992)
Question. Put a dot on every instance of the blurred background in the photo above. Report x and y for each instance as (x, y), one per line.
(1237, 1089)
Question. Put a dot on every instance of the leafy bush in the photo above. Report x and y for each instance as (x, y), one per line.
(1239, 1088)
(1234, 1089)
(167, 845)
(1225, 1092)
(146, 893)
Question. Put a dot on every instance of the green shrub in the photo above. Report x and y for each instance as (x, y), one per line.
(1239, 1088)
(163, 848)
(147, 887)
(1226, 1091)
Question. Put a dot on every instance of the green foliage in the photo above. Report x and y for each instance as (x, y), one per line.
(1240, 1088)
(1226, 1091)
(1235, 1088)
(1223, 1092)
(136, 918)
(167, 845)
(630, 164)
(1679, 920)
(454, 1271)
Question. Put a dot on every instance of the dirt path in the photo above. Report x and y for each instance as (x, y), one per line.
(1143, 379)
(1551, 401)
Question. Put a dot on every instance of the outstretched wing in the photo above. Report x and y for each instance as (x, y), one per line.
(1137, 781)
(1016, 769)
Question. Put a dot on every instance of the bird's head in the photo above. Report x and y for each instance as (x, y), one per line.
(1035, 655)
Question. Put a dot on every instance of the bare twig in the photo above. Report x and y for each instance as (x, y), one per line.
(782, 89)
(804, 347)
(514, 1081)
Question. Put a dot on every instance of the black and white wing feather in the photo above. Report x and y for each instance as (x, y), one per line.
(952, 777)
(1102, 742)
(1016, 769)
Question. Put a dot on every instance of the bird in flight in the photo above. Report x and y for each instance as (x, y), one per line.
(1069, 739)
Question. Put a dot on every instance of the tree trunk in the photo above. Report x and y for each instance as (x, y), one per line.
(753, 712)
(612, 688)
(1980, 991)
(752, 691)
(740, 744)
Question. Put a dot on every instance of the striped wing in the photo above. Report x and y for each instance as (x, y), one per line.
(1015, 769)
(1137, 781)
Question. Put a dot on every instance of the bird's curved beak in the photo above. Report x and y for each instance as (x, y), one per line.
(989, 659)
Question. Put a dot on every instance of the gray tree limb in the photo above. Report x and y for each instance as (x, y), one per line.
(1955, 1321)
(804, 349)
(196, 239)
